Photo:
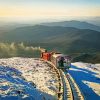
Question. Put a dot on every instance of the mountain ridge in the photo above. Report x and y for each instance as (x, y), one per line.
(74, 23)
(68, 40)
(57, 36)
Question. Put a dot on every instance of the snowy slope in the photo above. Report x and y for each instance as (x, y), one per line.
(26, 79)
(87, 76)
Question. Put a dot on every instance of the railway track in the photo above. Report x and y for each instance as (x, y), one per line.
(77, 94)
(68, 89)
(71, 90)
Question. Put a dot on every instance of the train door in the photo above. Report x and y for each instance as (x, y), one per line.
(60, 62)
(68, 63)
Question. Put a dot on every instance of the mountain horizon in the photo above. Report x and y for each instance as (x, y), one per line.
(74, 23)
(63, 39)
(54, 35)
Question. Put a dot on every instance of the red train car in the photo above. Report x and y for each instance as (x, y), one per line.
(46, 56)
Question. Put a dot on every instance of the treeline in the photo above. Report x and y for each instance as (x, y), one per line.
(88, 58)
(18, 50)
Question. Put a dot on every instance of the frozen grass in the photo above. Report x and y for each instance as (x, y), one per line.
(27, 78)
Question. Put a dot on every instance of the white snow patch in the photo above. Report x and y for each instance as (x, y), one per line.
(27, 78)
(87, 76)
(88, 66)
(94, 86)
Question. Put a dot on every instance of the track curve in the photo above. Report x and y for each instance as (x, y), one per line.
(68, 88)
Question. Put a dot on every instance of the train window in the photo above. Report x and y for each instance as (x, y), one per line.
(68, 63)
(61, 63)
(65, 64)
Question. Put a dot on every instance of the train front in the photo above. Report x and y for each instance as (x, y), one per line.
(62, 61)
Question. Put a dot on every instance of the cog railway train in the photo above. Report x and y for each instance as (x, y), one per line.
(61, 61)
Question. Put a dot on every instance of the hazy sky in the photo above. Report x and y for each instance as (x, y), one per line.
(38, 9)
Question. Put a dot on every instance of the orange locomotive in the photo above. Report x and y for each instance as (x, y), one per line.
(46, 56)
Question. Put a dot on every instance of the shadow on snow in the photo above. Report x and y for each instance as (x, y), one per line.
(14, 76)
(81, 75)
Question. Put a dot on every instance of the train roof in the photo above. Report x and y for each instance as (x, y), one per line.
(60, 55)
(57, 55)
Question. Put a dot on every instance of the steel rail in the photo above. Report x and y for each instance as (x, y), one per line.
(68, 89)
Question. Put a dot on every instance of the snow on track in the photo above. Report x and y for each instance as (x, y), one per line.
(27, 78)
(87, 76)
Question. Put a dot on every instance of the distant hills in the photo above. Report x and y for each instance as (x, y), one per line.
(71, 37)
(74, 23)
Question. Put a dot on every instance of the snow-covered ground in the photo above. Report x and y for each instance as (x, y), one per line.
(87, 76)
(27, 79)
